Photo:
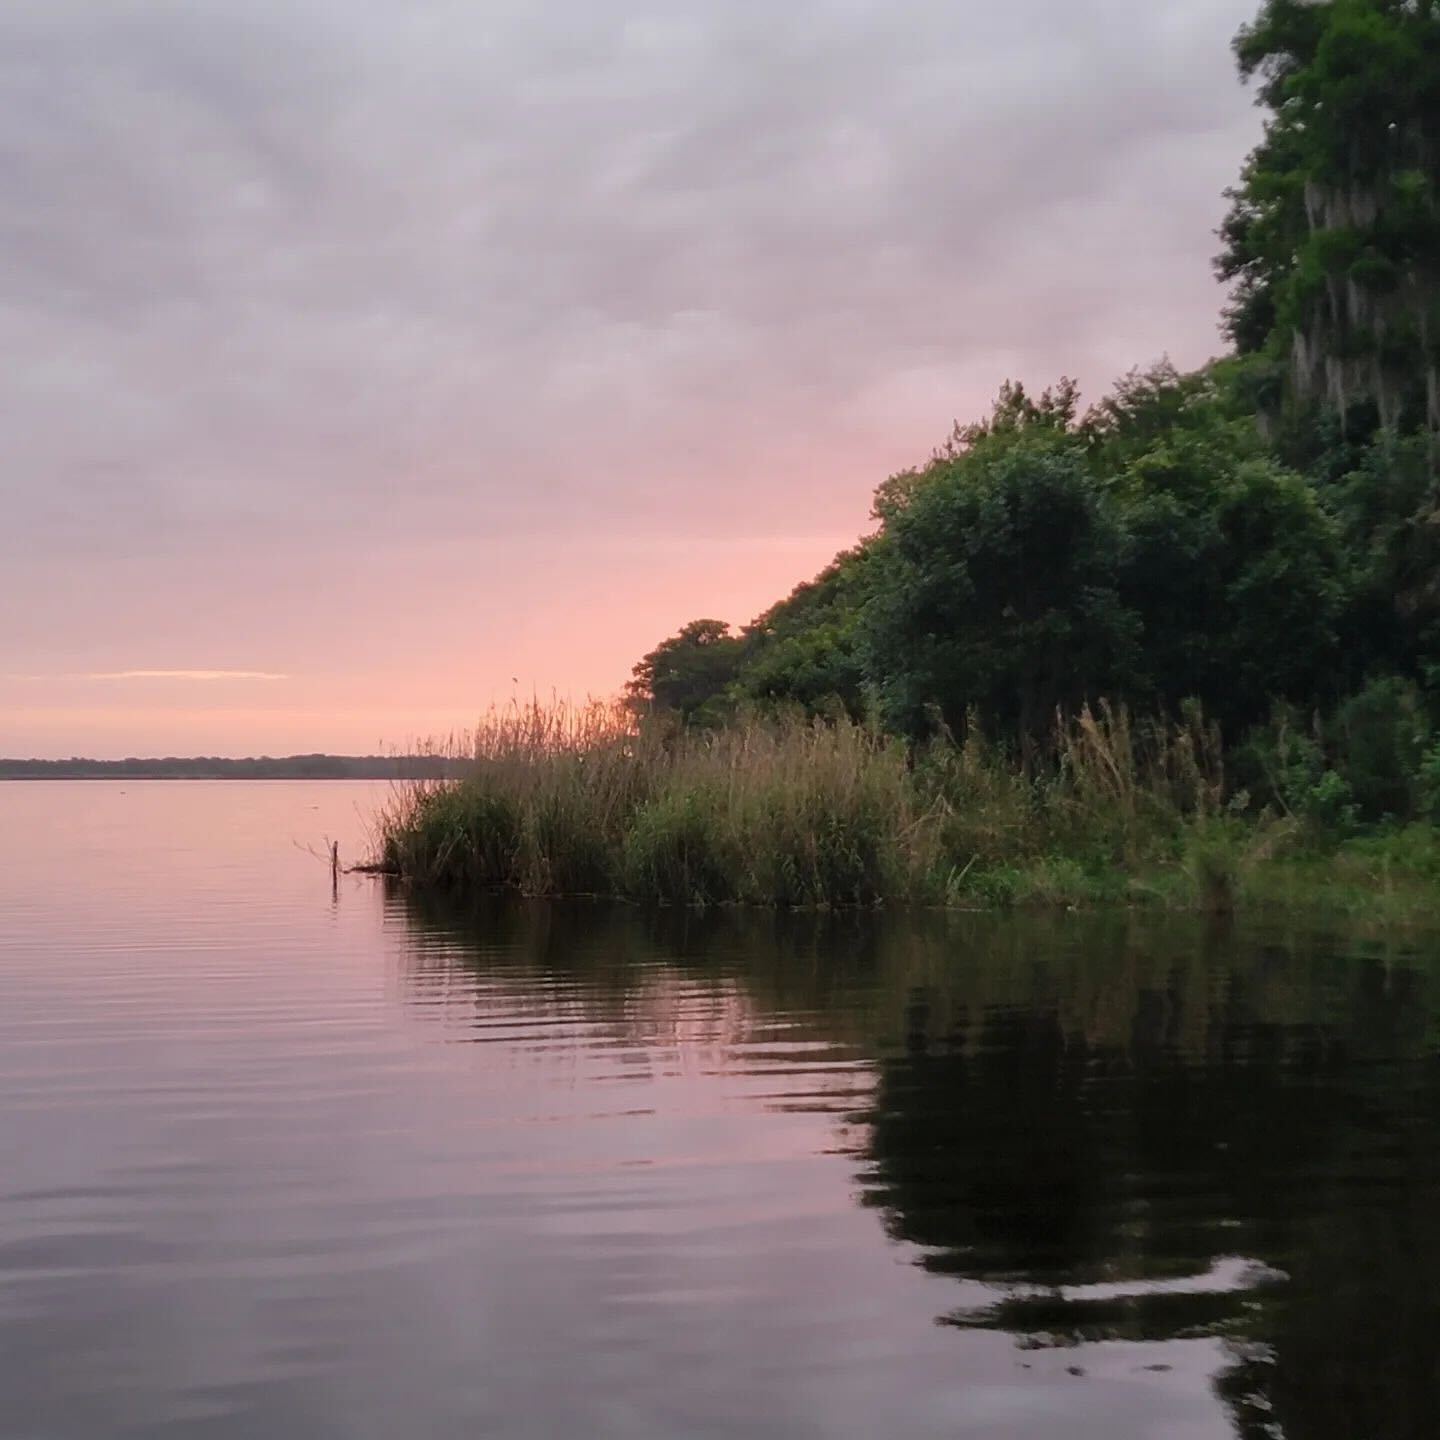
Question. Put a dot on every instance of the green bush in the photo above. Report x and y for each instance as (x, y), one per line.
(1381, 737)
(675, 852)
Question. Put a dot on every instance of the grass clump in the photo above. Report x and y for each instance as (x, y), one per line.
(454, 836)
(677, 854)
(559, 801)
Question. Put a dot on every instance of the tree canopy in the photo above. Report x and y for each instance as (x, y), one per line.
(689, 673)
(1333, 235)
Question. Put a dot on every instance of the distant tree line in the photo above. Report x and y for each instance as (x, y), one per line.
(1259, 538)
(212, 767)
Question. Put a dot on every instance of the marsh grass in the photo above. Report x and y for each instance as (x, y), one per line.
(790, 813)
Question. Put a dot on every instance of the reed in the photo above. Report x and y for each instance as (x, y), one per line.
(786, 812)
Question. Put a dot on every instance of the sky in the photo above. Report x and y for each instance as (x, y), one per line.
(369, 362)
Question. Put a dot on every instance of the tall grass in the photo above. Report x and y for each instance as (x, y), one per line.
(580, 801)
(786, 812)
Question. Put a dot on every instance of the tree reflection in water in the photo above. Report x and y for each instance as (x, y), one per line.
(1111, 1129)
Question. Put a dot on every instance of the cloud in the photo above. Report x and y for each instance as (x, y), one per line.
(299, 286)
(348, 268)
(200, 675)
(184, 675)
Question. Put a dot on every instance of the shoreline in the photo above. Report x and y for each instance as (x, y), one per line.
(1310, 885)
(787, 814)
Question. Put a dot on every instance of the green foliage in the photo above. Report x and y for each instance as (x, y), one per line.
(1284, 763)
(1385, 496)
(1380, 738)
(455, 837)
(1428, 776)
(675, 853)
(1333, 237)
(1015, 416)
(689, 674)
(804, 651)
(995, 589)
(1368, 759)
(1158, 406)
(564, 851)
(819, 670)
(1214, 857)
(1232, 564)
(779, 812)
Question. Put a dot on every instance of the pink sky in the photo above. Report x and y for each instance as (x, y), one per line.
(414, 647)
(405, 359)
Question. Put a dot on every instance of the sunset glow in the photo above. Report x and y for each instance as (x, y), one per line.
(386, 362)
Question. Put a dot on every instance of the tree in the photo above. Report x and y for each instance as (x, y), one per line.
(995, 590)
(1333, 237)
(1237, 576)
(805, 650)
(1015, 416)
(1231, 562)
(689, 673)
(1387, 506)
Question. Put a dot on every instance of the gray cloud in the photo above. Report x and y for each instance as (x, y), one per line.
(332, 273)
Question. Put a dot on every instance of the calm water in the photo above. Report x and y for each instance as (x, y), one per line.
(280, 1162)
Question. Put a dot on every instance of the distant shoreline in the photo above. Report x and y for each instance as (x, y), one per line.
(265, 767)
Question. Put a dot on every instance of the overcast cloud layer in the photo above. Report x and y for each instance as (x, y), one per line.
(415, 352)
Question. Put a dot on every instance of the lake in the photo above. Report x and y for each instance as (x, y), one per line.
(280, 1160)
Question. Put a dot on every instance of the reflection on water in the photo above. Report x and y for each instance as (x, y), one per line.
(278, 1163)
(1100, 1131)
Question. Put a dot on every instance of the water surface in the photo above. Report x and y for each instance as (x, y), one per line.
(277, 1161)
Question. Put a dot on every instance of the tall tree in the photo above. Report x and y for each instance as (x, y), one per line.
(1333, 236)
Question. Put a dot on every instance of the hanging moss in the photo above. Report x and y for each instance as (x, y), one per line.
(1334, 233)
(1375, 271)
